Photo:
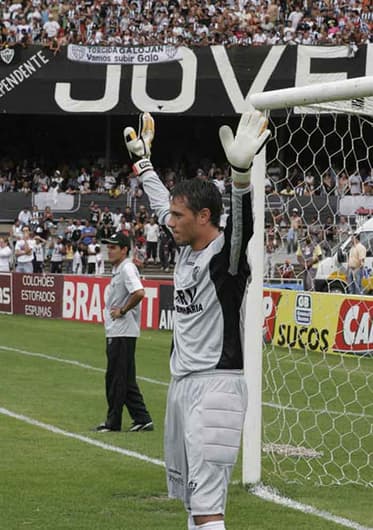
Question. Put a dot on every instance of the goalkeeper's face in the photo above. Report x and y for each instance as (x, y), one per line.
(188, 227)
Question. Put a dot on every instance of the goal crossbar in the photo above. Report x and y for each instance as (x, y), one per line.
(359, 87)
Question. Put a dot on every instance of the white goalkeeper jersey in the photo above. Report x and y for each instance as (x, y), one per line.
(210, 286)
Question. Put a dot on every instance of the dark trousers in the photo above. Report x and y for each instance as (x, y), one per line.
(151, 249)
(56, 267)
(121, 386)
(164, 255)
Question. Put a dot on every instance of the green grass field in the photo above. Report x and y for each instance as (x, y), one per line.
(52, 476)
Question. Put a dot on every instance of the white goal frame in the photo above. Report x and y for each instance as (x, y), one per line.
(278, 99)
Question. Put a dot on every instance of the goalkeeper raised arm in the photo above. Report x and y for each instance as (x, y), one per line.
(207, 397)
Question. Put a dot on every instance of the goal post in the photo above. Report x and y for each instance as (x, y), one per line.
(269, 374)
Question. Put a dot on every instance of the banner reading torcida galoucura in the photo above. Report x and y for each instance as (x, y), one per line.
(123, 54)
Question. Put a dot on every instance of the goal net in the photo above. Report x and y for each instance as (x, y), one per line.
(315, 404)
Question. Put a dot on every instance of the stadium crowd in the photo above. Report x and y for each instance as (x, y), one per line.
(120, 180)
(74, 245)
(38, 241)
(185, 22)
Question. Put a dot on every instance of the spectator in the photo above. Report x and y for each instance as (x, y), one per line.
(143, 214)
(343, 229)
(106, 217)
(294, 231)
(58, 253)
(77, 260)
(69, 257)
(88, 232)
(286, 270)
(76, 231)
(295, 16)
(35, 218)
(57, 180)
(24, 216)
(309, 254)
(329, 231)
(151, 233)
(117, 216)
(100, 263)
(43, 182)
(309, 184)
(139, 253)
(84, 177)
(94, 214)
(343, 185)
(16, 231)
(104, 231)
(165, 245)
(270, 249)
(355, 184)
(72, 185)
(5, 255)
(328, 184)
(24, 252)
(39, 255)
(128, 214)
(315, 230)
(51, 27)
(47, 217)
(91, 256)
(356, 261)
(61, 227)
(218, 180)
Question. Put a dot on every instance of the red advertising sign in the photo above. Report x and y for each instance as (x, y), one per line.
(37, 295)
(6, 293)
(354, 332)
(270, 301)
(84, 300)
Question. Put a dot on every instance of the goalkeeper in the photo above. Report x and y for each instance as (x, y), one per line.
(207, 396)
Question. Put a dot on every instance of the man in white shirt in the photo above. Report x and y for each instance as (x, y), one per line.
(24, 216)
(151, 232)
(356, 184)
(91, 260)
(58, 253)
(5, 255)
(218, 180)
(51, 27)
(122, 327)
(24, 252)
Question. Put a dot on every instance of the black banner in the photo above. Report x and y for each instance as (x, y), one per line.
(211, 81)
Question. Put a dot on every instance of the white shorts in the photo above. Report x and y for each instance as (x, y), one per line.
(204, 420)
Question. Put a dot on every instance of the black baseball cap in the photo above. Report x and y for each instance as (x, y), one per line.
(118, 239)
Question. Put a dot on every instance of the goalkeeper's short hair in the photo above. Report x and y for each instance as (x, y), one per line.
(200, 194)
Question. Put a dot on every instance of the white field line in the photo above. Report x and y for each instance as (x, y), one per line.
(85, 439)
(268, 494)
(260, 491)
(75, 363)
(162, 383)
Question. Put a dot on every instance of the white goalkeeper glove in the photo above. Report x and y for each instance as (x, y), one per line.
(139, 145)
(241, 149)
